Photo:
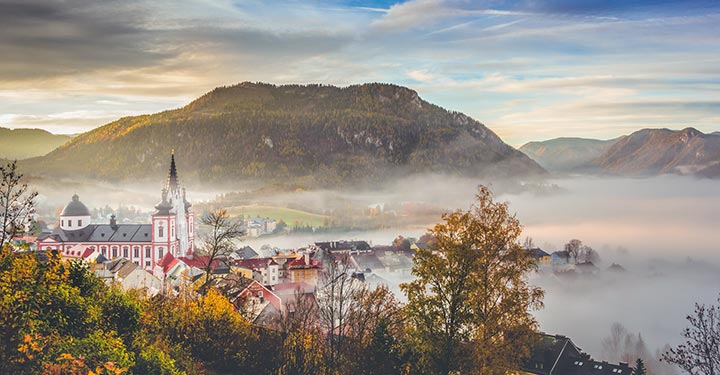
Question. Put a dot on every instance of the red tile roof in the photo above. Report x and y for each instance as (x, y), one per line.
(201, 261)
(301, 263)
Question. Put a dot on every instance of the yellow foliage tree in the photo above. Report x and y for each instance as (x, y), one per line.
(470, 302)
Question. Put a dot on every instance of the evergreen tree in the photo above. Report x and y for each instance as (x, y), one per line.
(640, 367)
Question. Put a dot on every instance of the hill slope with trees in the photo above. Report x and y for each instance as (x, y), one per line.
(566, 154)
(309, 134)
(659, 151)
(28, 143)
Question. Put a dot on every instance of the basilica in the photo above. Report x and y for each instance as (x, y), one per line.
(171, 230)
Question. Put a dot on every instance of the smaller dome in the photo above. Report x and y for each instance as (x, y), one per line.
(75, 208)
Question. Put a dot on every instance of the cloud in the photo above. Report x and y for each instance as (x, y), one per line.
(422, 13)
(62, 122)
(514, 65)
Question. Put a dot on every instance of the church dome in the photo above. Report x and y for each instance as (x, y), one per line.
(75, 208)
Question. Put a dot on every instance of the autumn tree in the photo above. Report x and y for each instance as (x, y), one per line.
(335, 290)
(470, 304)
(578, 251)
(218, 243)
(403, 243)
(375, 327)
(573, 249)
(700, 353)
(303, 342)
(17, 202)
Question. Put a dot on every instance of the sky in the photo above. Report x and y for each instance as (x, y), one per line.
(528, 69)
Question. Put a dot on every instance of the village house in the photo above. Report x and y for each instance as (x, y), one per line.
(282, 259)
(303, 269)
(342, 247)
(248, 295)
(129, 276)
(88, 254)
(542, 258)
(265, 270)
(394, 261)
(258, 226)
(245, 252)
(558, 355)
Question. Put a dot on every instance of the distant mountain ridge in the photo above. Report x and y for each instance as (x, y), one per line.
(314, 134)
(660, 151)
(28, 143)
(645, 152)
(566, 154)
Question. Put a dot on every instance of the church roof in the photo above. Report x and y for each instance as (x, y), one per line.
(105, 233)
(75, 208)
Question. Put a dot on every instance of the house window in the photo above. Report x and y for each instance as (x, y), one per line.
(62, 223)
(160, 252)
(69, 223)
(161, 231)
(79, 223)
(147, 264)
(103, 250)
(114, 251)
(147, 252)
(136, 252)
(125, 251)
(172, 231)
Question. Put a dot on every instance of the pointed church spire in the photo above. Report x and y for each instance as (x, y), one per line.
(172, 177)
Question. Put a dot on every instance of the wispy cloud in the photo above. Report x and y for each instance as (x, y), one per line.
(422, 13)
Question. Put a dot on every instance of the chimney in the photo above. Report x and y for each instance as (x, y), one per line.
(113, 222)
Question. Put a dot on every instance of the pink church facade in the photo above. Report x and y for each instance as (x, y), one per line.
(172, 229)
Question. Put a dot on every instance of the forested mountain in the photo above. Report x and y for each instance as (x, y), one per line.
(658, 151)
(566, 154)
(311, 134)
(28, 143)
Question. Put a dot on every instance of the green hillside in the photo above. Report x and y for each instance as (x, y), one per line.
(312, 135)
(28, 143)
(289, 215)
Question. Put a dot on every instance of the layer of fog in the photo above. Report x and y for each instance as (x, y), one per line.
(663, 230)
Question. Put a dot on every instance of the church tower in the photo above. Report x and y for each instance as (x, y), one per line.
(173, 223)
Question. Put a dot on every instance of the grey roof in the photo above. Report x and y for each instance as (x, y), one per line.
(368, 261)
(121, 267)
(105, 233)
(343, 245)
(554, 355)
(247, 252)
(75, 208)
